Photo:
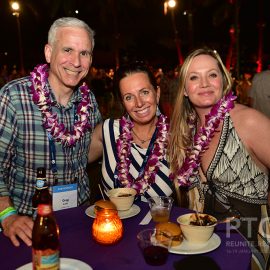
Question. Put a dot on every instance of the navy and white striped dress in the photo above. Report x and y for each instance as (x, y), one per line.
(111, 132)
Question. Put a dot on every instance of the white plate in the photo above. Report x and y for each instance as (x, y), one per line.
(187, 248)
(131, 212)
(65, 264)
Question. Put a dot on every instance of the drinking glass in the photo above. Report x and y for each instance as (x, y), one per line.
(154, 246)
(160, 208)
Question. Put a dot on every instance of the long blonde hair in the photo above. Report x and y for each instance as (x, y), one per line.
(180, 132)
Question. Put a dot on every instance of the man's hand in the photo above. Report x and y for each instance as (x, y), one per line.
(16, 226)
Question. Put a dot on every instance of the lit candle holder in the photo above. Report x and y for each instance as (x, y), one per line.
(107, 227)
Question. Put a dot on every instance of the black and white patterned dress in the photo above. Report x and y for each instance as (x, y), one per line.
(233, 171)
(235, 185)
(111, 132)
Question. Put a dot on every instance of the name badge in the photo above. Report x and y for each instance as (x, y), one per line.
(65, 196)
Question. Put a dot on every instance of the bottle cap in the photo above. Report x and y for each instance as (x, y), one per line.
(41, 172)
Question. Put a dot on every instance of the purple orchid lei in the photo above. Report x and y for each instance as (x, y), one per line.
(41, 97)
(187, 173)
(123, 144)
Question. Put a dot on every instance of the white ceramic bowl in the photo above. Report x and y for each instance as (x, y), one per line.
(123, 198)
(197, 234)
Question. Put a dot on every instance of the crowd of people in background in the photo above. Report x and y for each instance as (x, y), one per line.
(161, 131)
(7, 74)
(100, 81)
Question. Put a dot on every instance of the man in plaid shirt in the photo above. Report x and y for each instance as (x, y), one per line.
(47, 121)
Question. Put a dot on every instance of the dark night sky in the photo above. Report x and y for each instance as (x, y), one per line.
(143, 29)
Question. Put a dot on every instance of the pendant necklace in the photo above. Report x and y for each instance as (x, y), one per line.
(141, 140)
(123, 146)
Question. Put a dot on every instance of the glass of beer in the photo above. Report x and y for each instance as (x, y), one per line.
(160, 208)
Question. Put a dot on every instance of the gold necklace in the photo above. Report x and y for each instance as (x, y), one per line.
(141, 140)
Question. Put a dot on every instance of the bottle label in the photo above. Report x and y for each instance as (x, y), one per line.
(46, 259)
(44, 209)
(40, 183)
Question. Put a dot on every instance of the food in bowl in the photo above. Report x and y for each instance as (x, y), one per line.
(123, 198)
(103, 204)
(202, 220)
(195, 233)
(173, 229)
(124, 195)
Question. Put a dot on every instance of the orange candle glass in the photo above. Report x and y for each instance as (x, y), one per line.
(107, 227)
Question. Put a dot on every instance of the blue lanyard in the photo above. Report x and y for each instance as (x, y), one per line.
(146, 158)
(53, 152)
(53, 158)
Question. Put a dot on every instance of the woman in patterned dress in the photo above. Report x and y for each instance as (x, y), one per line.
(219, 149)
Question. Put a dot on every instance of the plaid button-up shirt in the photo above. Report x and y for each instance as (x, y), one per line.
(24, 145)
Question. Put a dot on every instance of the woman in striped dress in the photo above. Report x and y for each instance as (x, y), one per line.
(134, 146)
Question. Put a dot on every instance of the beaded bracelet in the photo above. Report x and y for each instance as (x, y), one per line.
(7, 212)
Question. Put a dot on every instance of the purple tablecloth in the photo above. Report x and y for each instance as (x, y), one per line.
(77, 243)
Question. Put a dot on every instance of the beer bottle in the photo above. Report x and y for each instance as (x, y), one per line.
(45, 240)
(42, 193)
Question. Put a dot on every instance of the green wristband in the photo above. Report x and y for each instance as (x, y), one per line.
(7, 212)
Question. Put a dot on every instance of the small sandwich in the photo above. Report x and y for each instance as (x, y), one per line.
(173, 229)
(103, 204)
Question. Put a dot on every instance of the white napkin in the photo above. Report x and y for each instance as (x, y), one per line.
(146, 219)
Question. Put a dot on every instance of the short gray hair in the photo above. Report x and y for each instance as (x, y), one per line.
(69, 22)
